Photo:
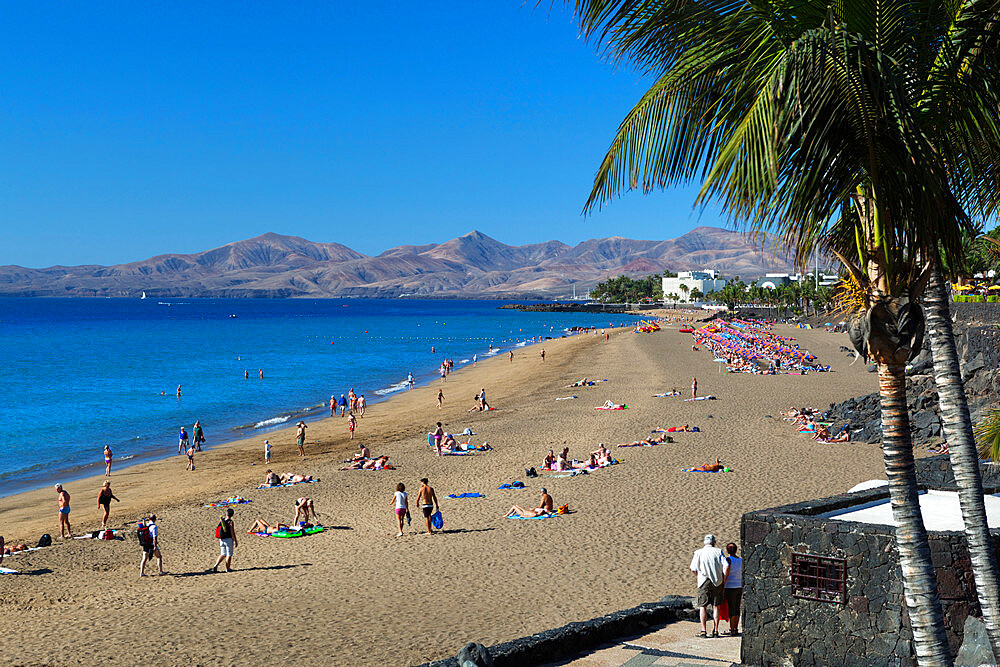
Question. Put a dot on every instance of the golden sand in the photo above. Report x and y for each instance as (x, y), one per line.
(356, 594)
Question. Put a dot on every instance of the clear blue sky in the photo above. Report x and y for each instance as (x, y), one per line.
(134, 129)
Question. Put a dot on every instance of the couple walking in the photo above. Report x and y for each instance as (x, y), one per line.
(720, 584)
(426, 499)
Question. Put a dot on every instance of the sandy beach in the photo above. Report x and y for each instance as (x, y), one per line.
(356, 594)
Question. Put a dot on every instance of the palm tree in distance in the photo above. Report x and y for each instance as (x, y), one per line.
(805, 120)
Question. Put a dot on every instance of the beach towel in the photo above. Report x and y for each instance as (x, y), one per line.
(512, 486)
(529, 518)
(7, 570)
(617, 407)
(701, 398)
(437, 520)
(473, 494)
(567, 398)
(301, 532)
(696, 470)
(278, 486)
(666, 395)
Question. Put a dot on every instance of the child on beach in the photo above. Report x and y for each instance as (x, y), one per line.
(402, 506)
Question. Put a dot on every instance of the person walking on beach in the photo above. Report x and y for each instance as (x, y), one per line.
(402, 506)
(343, 406)
(352, 399)
(475, 358)
(428, 502)
(226, 532)
(694, 387)
(199, 436)
(711, 566)
(409, 380)
(361, 405)
(352, 423)
(267, 452)
(510, 356)
(543, 355)
(438, 436)
(734, 588)
(104, 500)
(108, 455)
(333, 405)
(300, 439)
(440, 398)
(65, 530)
(483, 405)
(190, 455)
(182, 441)
(154, 532)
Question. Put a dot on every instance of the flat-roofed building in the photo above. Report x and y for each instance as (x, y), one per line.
(706, 281)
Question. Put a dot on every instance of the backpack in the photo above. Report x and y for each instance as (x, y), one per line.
(145, 539)
(530, 472)
(45, 540)
(222, 530)
(562, 509)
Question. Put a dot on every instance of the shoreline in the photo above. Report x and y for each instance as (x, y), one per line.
(248, 429)
(628, 538)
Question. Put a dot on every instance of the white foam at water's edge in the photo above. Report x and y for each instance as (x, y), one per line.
(399, 386)
(522, 343)
(272, 421)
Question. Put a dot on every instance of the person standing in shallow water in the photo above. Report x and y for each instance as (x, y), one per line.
(182, 441)
(108, 455)
(199, 436)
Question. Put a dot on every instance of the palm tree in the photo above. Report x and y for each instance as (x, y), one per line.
(803, 120)
(684, 290)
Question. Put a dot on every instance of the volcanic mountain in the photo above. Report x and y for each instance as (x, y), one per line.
(471, 266)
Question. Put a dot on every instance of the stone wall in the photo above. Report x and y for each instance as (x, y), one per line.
(872, 628)
(935, 472)
(564, 642)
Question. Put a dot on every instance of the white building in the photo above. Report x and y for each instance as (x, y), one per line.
(706, 281)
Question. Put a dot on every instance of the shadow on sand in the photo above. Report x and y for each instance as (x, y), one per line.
(201, 573)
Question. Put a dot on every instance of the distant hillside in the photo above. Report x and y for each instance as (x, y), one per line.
(473, 265)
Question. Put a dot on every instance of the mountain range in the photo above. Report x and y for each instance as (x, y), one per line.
(471, 266)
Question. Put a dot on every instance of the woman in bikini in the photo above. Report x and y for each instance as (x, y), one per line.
(104, 500)
(107, 460)
(517, 510)
(261, 526)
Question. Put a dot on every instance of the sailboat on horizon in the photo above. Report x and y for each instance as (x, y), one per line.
(143, 296)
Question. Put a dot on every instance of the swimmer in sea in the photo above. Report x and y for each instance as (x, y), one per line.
(178, 391)
(246, 375)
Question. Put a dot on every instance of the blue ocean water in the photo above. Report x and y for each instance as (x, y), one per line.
(82, 373)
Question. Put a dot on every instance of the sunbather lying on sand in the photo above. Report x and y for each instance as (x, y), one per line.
(581, 383)
(710, 467)
(673, 429)
(289, 478)
(672, 392)
(381, 463)
(517, 510)
(648, 442)
(611, 405)
(261, 526)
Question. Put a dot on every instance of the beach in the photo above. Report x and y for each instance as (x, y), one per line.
(355, 594)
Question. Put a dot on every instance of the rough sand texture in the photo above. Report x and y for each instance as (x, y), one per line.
(357, 594)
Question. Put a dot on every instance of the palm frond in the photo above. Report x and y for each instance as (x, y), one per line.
(987, 434)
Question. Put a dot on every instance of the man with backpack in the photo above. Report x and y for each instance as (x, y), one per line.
(226, 532)
(148, 533)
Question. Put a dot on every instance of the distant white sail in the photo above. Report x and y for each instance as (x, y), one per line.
(143, 296)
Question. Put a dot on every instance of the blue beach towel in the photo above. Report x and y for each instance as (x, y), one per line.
(530, 518)
(512, 486)
(474, 494)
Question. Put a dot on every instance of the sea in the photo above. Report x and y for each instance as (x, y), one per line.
(81, 373)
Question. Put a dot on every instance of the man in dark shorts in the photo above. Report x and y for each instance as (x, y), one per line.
(711, 566)
(199, 436)
(427, 501)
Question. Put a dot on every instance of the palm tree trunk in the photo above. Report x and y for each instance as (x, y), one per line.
(919, 581)
(957, 426)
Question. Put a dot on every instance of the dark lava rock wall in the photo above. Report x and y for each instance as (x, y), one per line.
(872, 628)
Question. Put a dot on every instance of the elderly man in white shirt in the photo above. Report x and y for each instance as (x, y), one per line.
(712, 567)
